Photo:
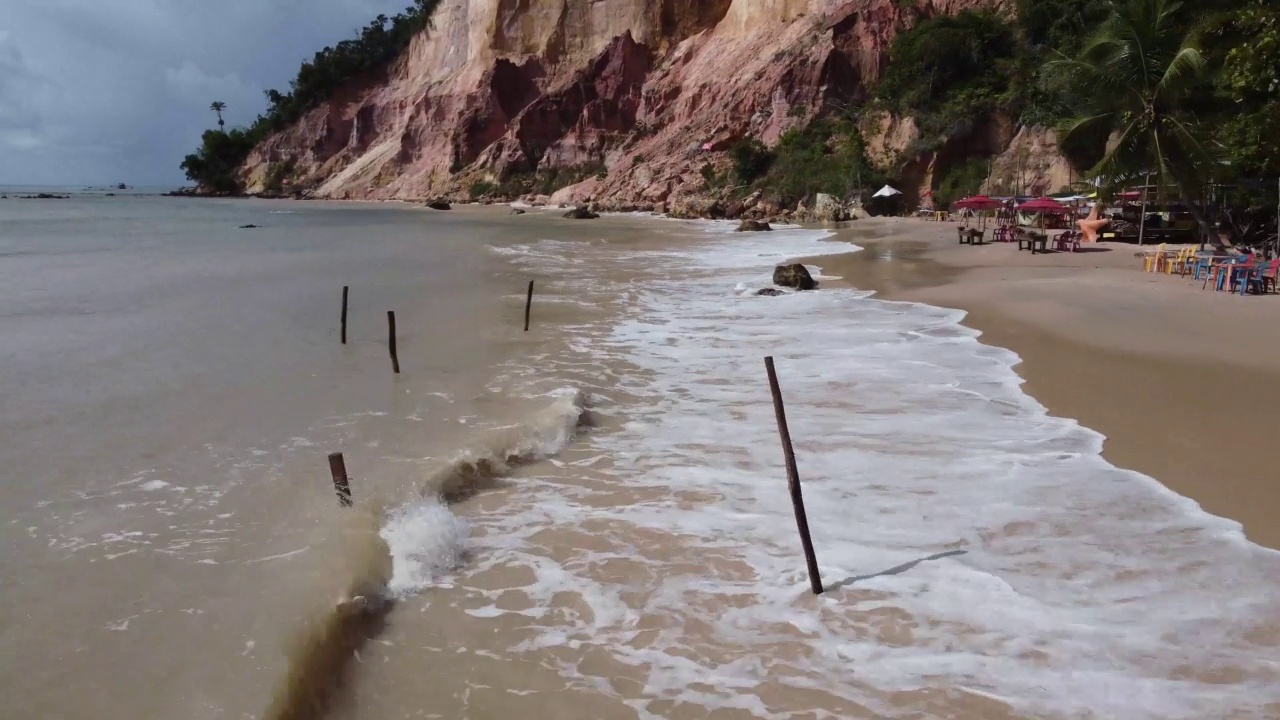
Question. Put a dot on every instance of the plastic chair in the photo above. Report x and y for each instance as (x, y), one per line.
(1218, 274)
(1152, 262)
(1256, 277)
(1067, 242)
(1200, 265)
(1180, 262)
(1269, 276)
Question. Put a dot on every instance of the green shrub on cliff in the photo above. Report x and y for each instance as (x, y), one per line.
(826, 156)
(214, 165)
(751, 160)
(950, 69)
(377, 46)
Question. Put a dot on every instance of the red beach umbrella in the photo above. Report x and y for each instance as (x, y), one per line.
(978, 202)
(1042, 205)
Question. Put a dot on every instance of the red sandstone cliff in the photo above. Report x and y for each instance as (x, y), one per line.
(624, 93)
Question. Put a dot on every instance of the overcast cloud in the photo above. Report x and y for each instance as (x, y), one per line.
(97, 92)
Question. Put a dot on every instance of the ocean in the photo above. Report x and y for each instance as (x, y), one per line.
(587, 520)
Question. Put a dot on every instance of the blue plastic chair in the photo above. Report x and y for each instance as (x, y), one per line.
(1199, 264)
(1220, 282)
(1247, 277)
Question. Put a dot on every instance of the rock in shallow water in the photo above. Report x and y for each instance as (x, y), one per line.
(439, 205)
(517, 211)
(754, 226)
(581, 213)
(769, 292)
(794, 276)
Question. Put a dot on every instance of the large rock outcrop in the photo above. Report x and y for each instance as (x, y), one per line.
(634, 96)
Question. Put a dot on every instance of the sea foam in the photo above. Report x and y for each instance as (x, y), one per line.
(972, 544)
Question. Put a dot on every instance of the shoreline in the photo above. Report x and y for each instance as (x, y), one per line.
(1188, 400)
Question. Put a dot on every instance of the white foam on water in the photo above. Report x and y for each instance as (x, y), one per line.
(426, 542)
(969, 541)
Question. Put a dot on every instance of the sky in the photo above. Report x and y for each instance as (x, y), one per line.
(98, 92)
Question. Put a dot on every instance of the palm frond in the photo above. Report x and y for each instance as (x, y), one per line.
(1183, 70)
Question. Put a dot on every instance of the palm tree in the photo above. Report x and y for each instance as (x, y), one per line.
(218, 106)
(1132, 84)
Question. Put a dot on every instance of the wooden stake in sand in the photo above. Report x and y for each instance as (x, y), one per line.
(391, 340)
(345, 290)
(793, 479)
(528, 306)
(338, 469)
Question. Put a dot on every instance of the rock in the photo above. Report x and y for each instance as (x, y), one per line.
(248, 227)
(826, 208)
(439, 205)
(109, 195)
(735, 210)
(517, 211)
(715, 211)
(769, 292)
(581, 213)
(660, 208)
(44, 196)
(754, 226)
(794, 276)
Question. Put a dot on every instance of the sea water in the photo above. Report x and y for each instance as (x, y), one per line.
(587, 520)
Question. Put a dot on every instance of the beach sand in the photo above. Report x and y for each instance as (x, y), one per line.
(1184, 382)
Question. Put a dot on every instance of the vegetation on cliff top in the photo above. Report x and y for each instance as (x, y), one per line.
(383, 40)
(1155, 73)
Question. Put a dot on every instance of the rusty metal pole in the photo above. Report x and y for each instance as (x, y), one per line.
(391, 341)
(528, 306)
(345, 290)
(341, 483)
(793, 480)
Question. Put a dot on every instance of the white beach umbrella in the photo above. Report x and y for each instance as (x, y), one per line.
(887, 191)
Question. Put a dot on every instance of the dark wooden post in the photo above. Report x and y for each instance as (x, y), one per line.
(528, 306)
(338, 469)
(793, 479)
(345, 290)
(391, 340)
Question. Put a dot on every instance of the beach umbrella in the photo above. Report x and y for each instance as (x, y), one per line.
(887, 191)
(980, 203)
(1042, 205)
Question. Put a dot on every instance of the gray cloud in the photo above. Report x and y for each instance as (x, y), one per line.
(106, 91)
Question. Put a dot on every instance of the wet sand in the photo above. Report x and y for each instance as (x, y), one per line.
(1184, 382)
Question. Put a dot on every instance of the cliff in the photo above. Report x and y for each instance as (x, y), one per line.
(623, 101)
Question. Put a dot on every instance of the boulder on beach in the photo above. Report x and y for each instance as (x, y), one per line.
(581, 213)
(769, 292)
(793, 276)
(754, 226)
(439, 205)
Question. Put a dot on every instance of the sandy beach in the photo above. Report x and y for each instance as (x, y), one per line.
(1184, 382)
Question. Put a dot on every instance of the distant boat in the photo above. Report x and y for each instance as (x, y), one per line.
(122, 186)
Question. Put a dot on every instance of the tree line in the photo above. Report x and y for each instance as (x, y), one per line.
(371, 52)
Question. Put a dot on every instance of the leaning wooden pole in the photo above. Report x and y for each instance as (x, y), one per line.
(341, 483)
(391, 341)
(528, 306)
(793, 479)
(345, 291)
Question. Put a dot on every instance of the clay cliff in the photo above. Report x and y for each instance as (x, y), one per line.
(618, 101)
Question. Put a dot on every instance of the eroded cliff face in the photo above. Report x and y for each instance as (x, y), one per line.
(631, 97)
